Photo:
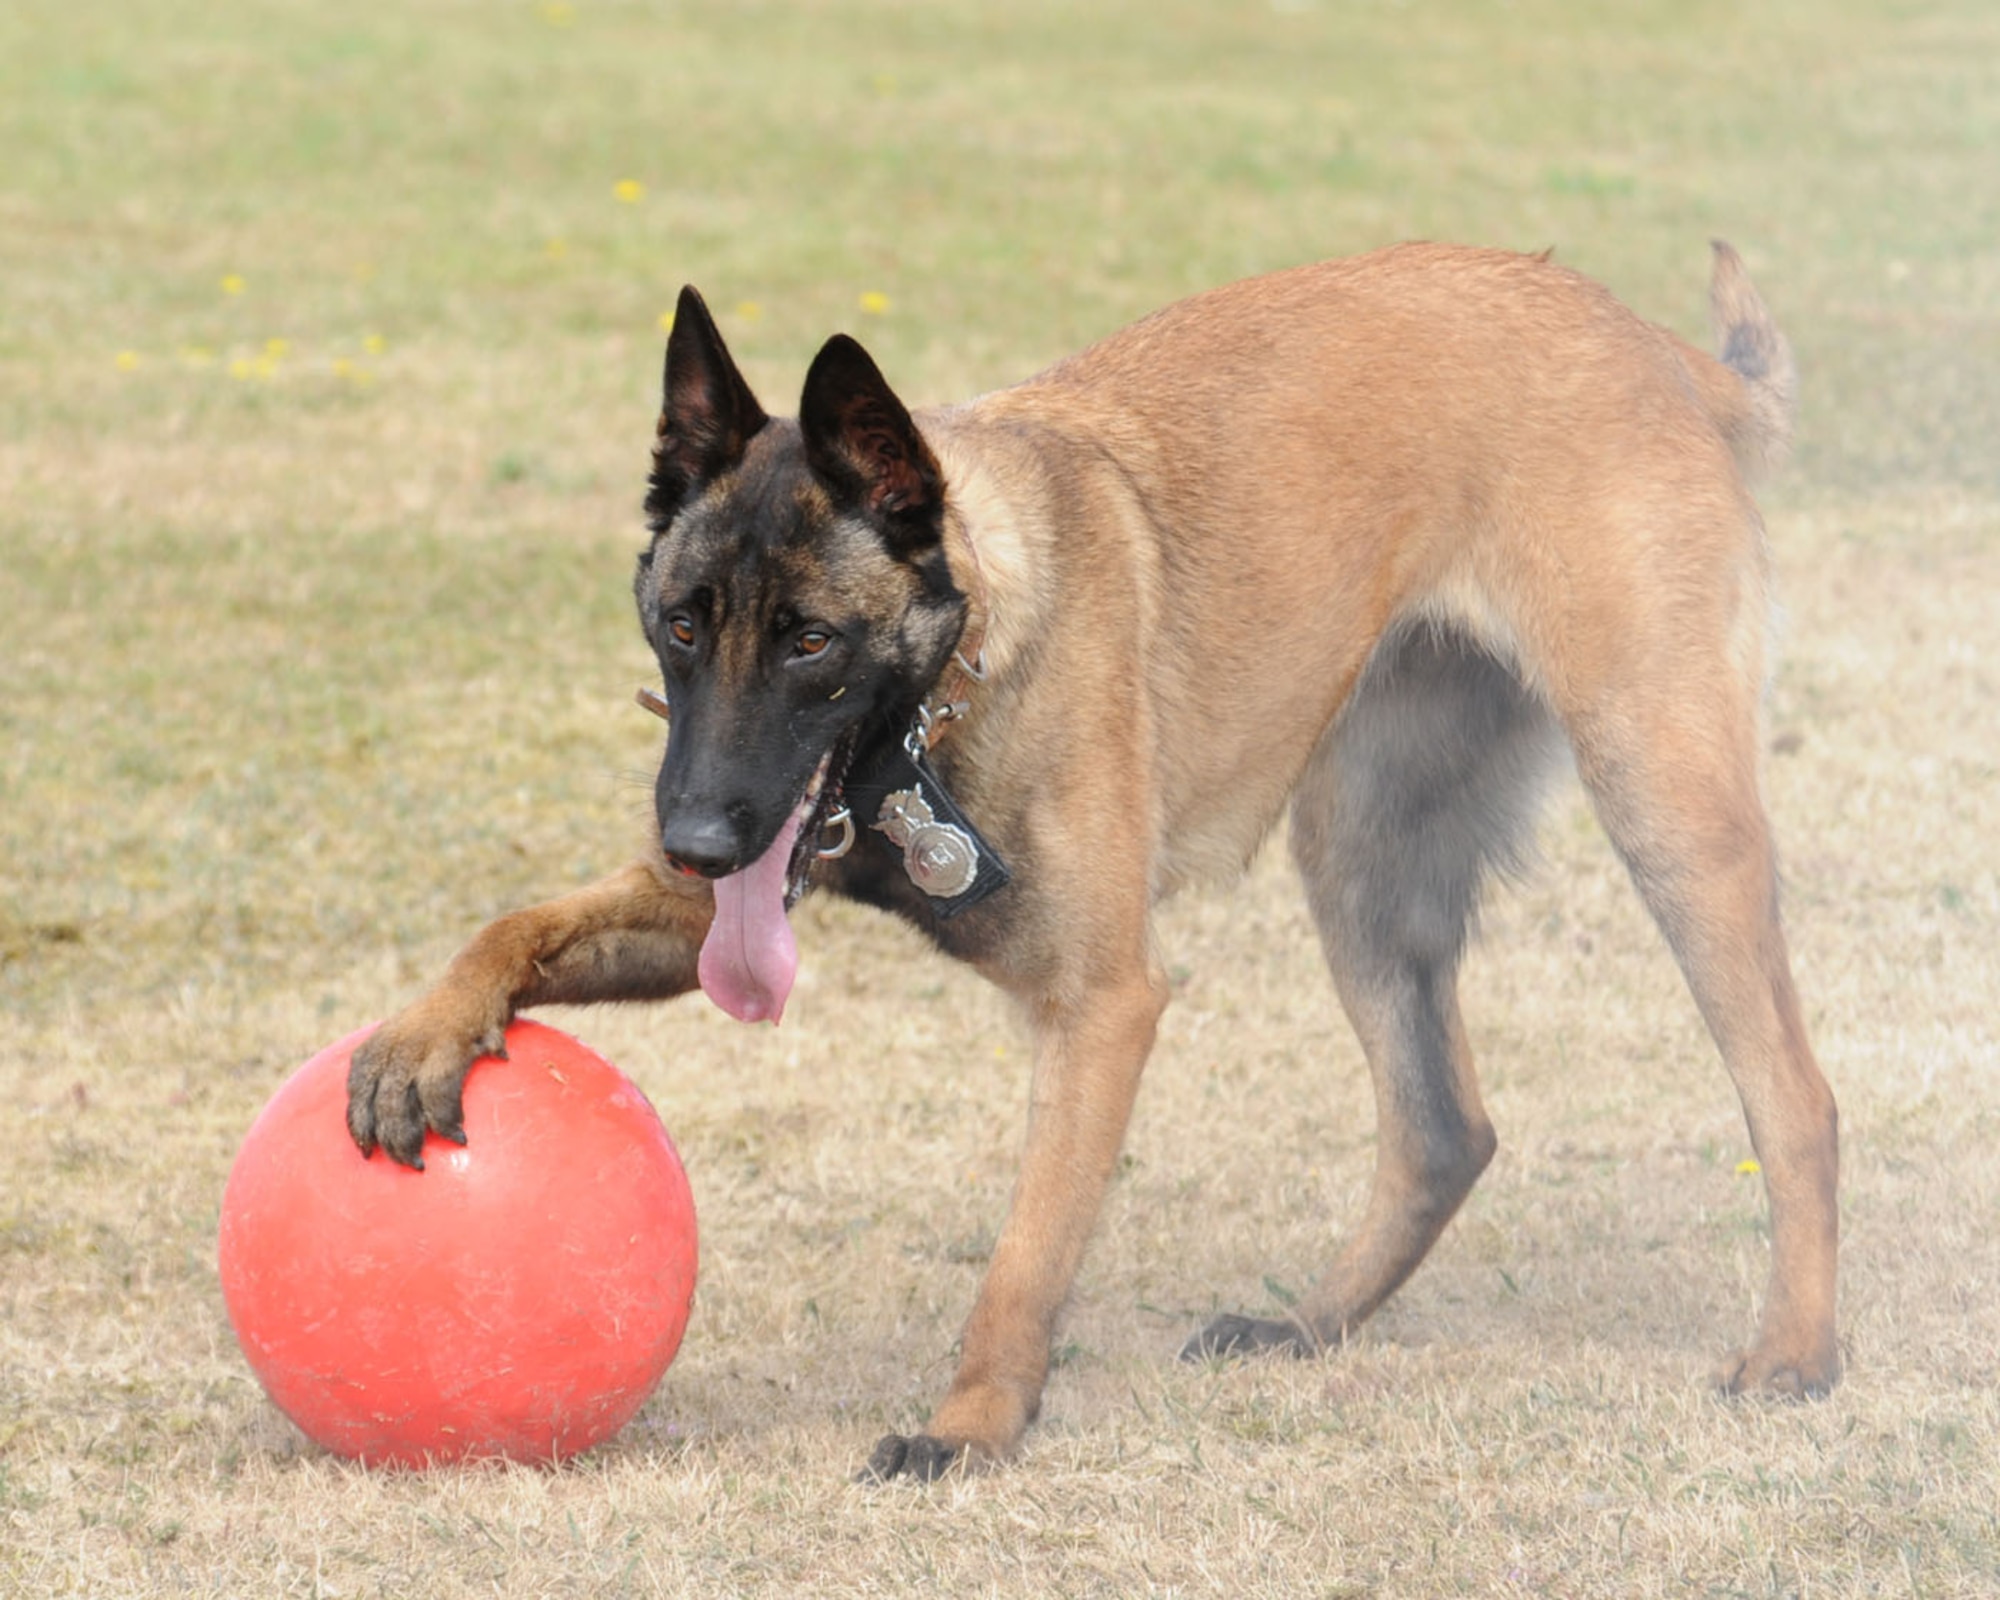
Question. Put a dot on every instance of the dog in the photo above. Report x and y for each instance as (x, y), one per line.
(1381, 540)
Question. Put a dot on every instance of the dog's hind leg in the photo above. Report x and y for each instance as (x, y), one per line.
(1430, 776)
(1670, 758)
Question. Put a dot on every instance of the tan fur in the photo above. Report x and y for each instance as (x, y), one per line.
(1193, 539)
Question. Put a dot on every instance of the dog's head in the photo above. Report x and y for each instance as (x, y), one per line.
(795, 591)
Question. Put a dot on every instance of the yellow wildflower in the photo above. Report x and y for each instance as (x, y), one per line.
(558, 13)
(1749, 1168)
(374, 344)
(128, 361)
(277, 349)
(630, 191)
(749, 310)
(232, 283)
(666, 322)
(875, 303)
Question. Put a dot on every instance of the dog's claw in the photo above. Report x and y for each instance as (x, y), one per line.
(919, 1457)
(405, 1081)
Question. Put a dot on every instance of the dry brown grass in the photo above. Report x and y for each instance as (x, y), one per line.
(305, 678)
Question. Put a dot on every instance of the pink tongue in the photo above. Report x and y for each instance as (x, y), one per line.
(749, 959)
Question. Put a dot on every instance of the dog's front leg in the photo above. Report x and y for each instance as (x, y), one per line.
(1088, 1057)
(635, 935)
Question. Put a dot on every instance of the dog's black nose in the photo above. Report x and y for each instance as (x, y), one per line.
(706, 847)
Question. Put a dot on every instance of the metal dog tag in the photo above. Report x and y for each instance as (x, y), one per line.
(938, 858)
(943, 853)
(941, 860)
(902, 813)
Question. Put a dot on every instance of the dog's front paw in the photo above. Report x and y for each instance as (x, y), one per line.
(408, 1077)
(917, 1458)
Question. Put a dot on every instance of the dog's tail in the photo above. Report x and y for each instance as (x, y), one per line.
(1753, 400)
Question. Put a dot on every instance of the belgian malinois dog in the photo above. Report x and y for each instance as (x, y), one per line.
(1380, 538)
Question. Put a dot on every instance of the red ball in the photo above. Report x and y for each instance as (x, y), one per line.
(520, 1297)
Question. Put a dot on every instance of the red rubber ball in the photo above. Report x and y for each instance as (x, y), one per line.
(520, 1297)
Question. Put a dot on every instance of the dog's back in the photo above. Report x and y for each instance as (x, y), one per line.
(1285, 469)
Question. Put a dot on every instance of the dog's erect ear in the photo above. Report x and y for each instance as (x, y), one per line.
(707, 412)
(861, 443)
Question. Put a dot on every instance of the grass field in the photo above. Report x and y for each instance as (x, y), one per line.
(329, 343)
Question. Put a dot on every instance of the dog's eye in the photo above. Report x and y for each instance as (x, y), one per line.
(680, 629)
(812, 641)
